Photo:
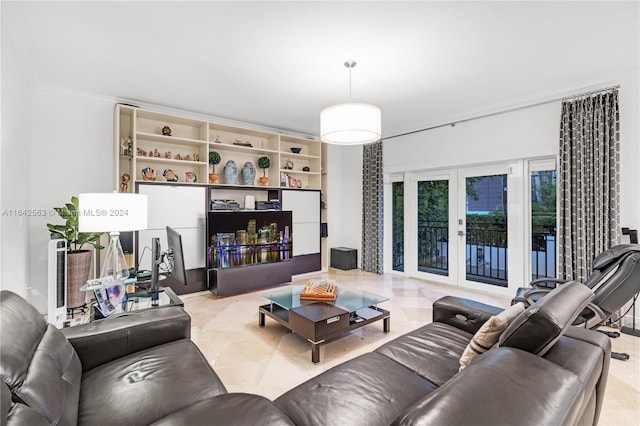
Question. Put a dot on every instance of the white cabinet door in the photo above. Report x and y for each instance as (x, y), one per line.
(175, 206)
(306, 238)
(305, 205)
(182, 208)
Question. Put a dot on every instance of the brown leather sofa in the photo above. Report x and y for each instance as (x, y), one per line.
(143, 369)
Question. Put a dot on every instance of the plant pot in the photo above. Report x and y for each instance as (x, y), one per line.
(264, 181)
(78, 265)
(213, 177)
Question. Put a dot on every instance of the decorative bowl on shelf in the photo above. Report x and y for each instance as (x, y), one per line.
(296, 150)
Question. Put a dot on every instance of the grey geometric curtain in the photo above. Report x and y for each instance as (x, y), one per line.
(589, 182)
(372, 203)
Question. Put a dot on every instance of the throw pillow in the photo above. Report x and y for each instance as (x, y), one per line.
(489, 333)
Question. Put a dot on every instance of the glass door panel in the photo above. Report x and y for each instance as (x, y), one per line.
(543, 224)
(433, 226)
(397, 250)
(486, 247)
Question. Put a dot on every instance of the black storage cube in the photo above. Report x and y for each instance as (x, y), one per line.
(344, 258)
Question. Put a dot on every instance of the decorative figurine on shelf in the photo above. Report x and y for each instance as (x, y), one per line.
(141, 152)
(191, 177)
(217, 139)
(289, 165)
(248, 173)
(126, 146)
(148, 174)
(124, 182)
(187, 158)
(264, 163)
(170, 175)
(306, 169)
(230, 172)
(166, 131)
(156, 153)
(177, 157)
(196, 156)
(167, 155)
(150, 153)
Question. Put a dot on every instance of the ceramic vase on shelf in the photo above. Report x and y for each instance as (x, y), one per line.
(230, 172)
(248, 173)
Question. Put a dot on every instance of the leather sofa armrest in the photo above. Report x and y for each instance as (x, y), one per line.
(464, 314)
(102, 341)
(500, 383)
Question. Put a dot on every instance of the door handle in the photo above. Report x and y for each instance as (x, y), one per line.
(460, 233)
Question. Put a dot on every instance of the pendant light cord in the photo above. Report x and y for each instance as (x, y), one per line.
(349, 65)
(349, 85)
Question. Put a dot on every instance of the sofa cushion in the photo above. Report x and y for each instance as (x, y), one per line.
(505, 386)
(146, 386)
(489, 333)
(232, 409)
(368, 390)
(39, 365)
(432, 351)
(542, 324)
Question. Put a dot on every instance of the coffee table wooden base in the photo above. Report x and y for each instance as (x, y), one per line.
(319, 322)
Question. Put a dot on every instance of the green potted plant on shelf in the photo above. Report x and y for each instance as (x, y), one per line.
(214, 158)
(78, 259)
(264, 163)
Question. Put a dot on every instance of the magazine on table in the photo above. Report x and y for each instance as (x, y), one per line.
(108, 295)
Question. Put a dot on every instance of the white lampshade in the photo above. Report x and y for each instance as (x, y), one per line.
(112, 212)
(350, 124)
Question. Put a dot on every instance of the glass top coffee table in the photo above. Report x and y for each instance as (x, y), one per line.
(319, 321)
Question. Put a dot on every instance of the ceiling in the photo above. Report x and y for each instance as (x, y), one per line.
(278, 64)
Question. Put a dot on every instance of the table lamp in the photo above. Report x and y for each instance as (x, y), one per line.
(113, 213)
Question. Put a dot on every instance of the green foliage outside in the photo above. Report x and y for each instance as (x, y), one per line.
(482, 229)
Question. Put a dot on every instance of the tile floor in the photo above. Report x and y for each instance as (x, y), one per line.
(269, 361)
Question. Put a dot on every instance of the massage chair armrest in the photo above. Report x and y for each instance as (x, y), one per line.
(505, 386)
(465, 314)
(105, 340)
(550, 283)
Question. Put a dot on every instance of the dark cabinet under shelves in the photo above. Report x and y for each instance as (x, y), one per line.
(248, 250)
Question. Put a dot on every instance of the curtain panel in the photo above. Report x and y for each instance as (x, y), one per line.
(589, 182)
(372, 208)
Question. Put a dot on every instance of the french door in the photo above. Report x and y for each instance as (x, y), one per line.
(460, 227)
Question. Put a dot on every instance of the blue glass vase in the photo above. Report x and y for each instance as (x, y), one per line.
(230, 172)
(248, 173)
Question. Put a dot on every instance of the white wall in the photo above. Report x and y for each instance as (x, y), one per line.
(344, 197)
(15, 172)
(71, 151)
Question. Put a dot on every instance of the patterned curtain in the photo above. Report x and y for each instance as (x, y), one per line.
(589, 182)
(372, 219)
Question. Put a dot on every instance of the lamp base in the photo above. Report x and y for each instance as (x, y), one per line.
(115, 264)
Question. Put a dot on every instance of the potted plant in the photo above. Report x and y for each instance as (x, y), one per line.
(264, 163)
(78, 259)
(214, 158)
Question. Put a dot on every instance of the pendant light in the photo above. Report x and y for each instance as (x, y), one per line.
(351, 123)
